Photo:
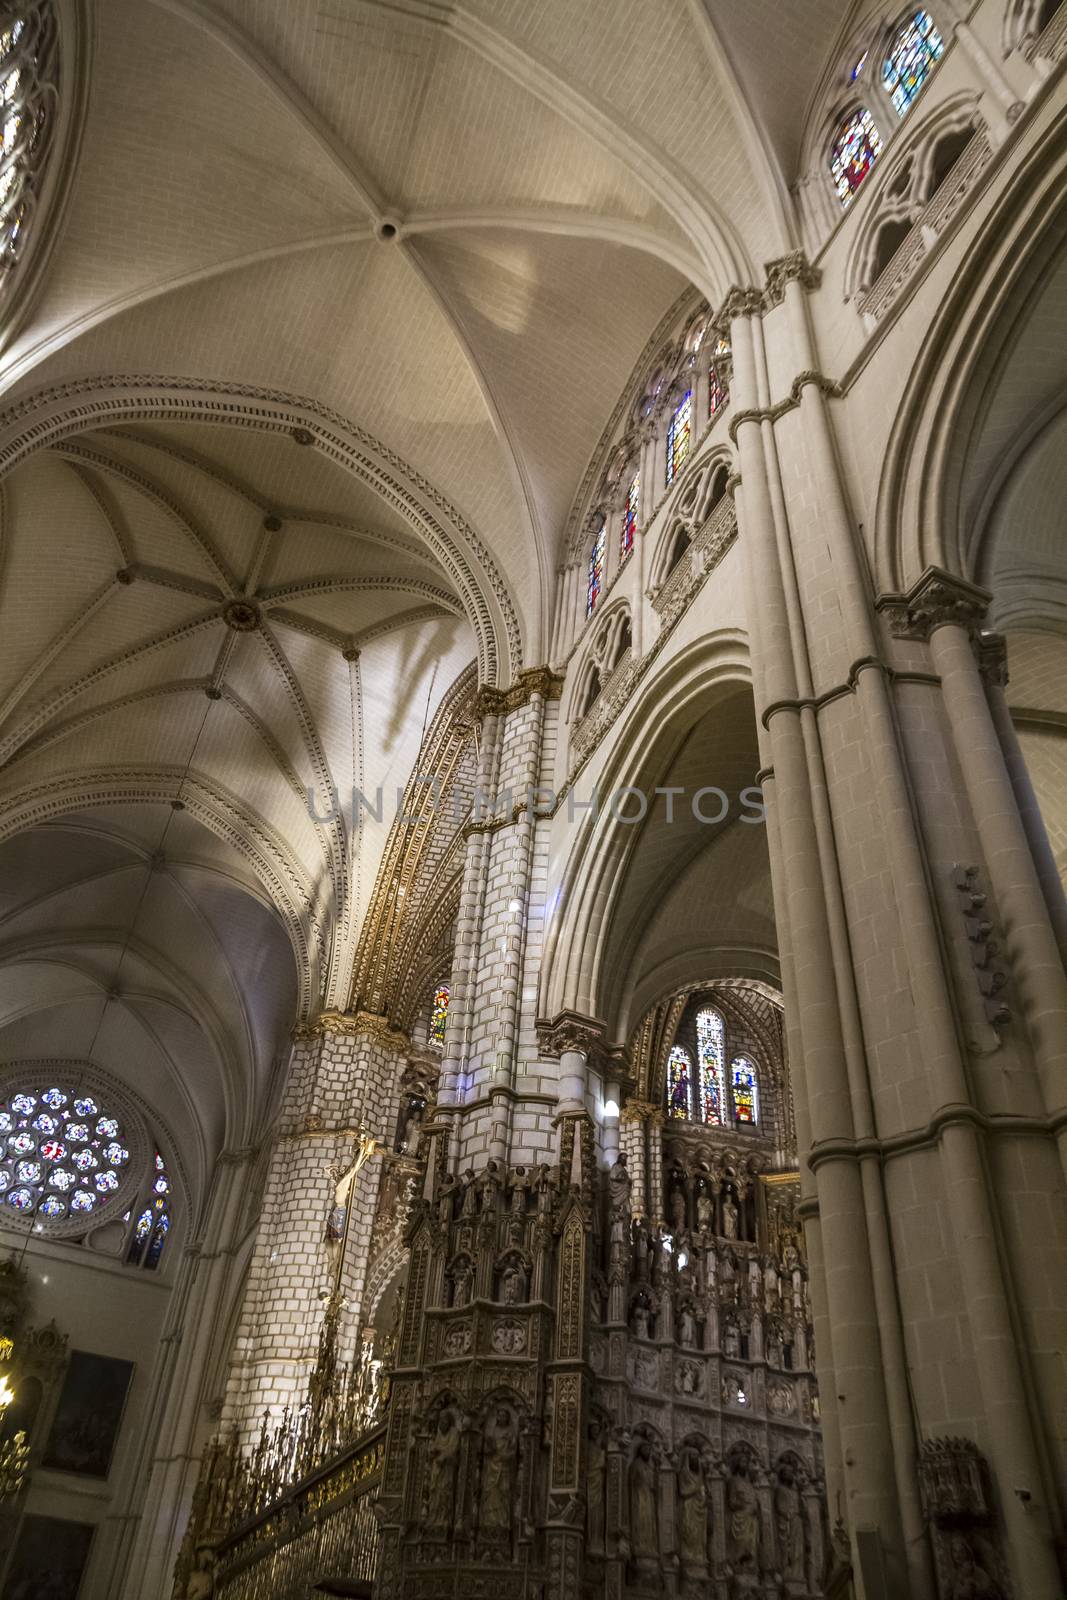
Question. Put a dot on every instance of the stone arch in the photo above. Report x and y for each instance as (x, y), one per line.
(699, 678)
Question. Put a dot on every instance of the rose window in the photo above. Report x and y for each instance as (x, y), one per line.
(63, 1155)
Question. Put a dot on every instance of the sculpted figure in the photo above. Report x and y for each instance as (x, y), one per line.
(970, 1580)
(678, 1210)
(449, 1185)
(201, 1584)
(412, 1128)
(641, 1322)
(644, 1524)
(790, 1518)
(443, 1454)
(742, 1504)
(729, 1218)
(595, 1480)
(498, 1471)
(470, 1194)
(462, 1277)
(513, 1285)
(619, 1189)
(693, 1494)
(770, 1286)
(731, 1340)
(688, 1327)
(705, 1211)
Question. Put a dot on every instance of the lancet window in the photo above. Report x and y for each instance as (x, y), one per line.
(439, 1013)
(679, 436)
(711, 1049)
(916, 51)
(854, 152)
(629, 515)
(597, 558)
(680, 1084)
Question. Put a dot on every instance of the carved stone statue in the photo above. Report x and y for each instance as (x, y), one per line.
(770, 1286)
(729, 1218)
(641, 1322)
(470, 1194)
(595, 1481)
(443, 1453)
(412, 1128)
(705, 1211)
(678, 1210)
(687, 1327)
(619, 1201)
(462, 1279)
(497, 1498)
(789, 1514)
(970, 1580)
(513, 1285)
(731, 1340)
(742, 1504)
(644, 1523)
(693, 1495)
(201, 1583)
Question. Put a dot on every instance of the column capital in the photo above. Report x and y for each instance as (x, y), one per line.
(570, 1031)
(491, 701)
(738, 301)
(353, 1024)
(936, 599)
(793, 268)
(640, 1111)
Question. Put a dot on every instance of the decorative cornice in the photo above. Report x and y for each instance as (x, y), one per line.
(571, 1031)
(937, 599)
(353, 1024)
(793, 268)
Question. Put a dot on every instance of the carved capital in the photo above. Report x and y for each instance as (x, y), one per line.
(366, 1024)
(638, 1111)
(571, 1031)
(937, 599)
(490, 701)
(793, 268)
(737, 302)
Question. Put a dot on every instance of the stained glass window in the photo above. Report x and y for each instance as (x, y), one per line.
(61, 1156)
(679, 436)
(150, 1231)
(746, 1090)
(679, 1084)
(629, 514)
(855, 150)
(712, 1077)
(918, 47)
(27, 101)
(596, 569)
(439, 1013)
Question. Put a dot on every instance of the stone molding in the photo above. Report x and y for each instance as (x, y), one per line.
(992, 649)
(829, 387)
(937, 599)
(738, 301)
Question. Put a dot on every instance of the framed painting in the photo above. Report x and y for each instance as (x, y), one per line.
(89, 1415)
(49, 1559)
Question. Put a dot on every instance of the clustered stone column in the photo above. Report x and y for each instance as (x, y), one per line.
(925, 994)
(343, 1087)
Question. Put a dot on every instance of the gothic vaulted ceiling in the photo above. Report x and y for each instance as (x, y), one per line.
(342, 297)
